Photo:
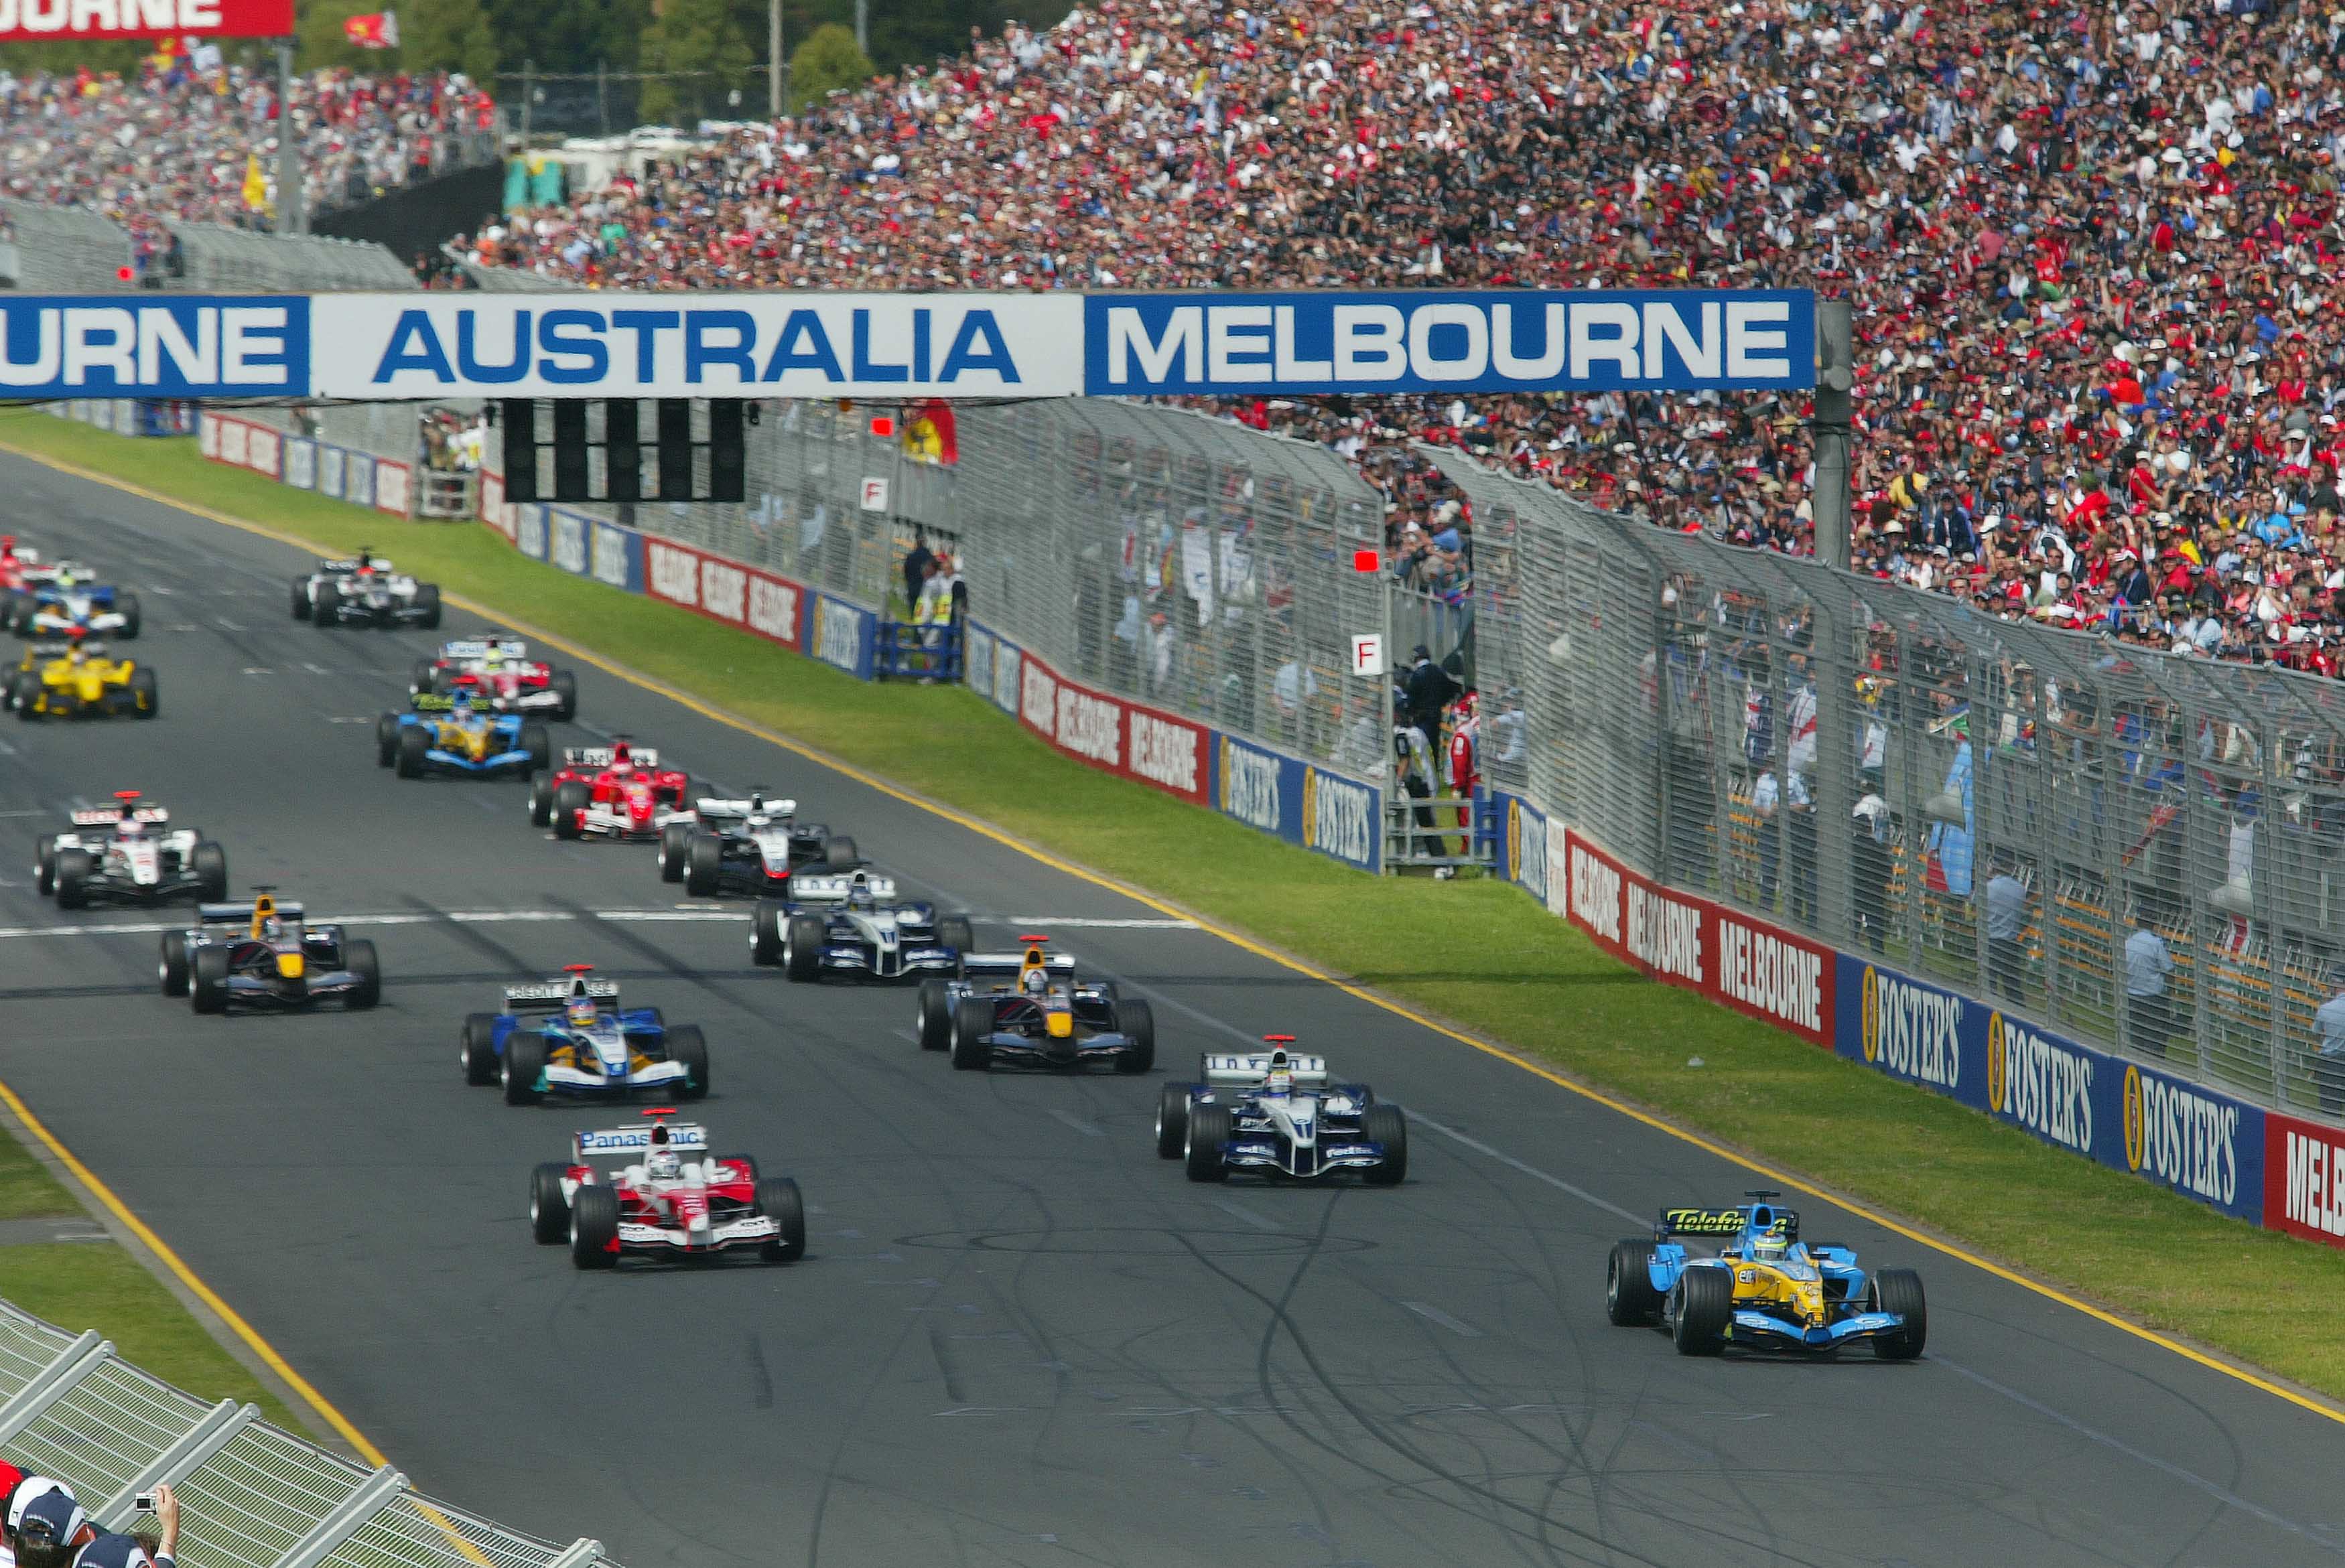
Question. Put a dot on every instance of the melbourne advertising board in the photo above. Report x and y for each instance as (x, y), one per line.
(48, 21)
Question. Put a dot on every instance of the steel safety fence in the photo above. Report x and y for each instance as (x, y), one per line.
(2137, 849)
(251, 1495)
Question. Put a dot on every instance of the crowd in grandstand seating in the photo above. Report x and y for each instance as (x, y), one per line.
(2095, 251)
(176, 141)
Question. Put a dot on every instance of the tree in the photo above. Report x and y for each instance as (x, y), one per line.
(699, 36)
(828, 60)
(449, 36)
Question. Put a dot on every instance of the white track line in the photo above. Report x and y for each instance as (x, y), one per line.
(722, 915)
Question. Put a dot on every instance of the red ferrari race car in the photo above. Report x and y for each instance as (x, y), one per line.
(22, 571)
(618, 790)
(501, 676)
(675, 1201)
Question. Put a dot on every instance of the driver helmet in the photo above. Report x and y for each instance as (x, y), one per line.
(66, 577)
(1278, 1084)
(1037, 981)
(459, 702)
(1771, 1248)
(129, 828)
(273, 929)
(859, 897)
(663, 1165)
(582, 1008)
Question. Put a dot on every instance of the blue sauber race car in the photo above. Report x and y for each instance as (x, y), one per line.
(570, 1036)
(70, 601)
(450, 734)
(1762, 1289)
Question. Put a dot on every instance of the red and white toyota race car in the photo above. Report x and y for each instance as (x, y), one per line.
(501, 676)
(675, 1200)
(618, 790)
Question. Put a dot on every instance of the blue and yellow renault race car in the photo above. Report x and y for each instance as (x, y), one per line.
(1763, 1288)
(450, 734)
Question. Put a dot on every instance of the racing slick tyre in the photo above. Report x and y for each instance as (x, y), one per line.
(1172, 1120)
(838, 854)
(145, 699)
(1135, 1018)
(973, 1031)
(521, 1066)
(540, 802)
(802, 948)
(704, 865)
(1899, 1290)
(171, 968)
(25, 696)
(44, 870)
(126, 606)
(594, 1227)
(74, 868)
(423, 676)
(210, 863)
(765, 923)
(359, 957)
(208, 980)
(300, 598)
(427, 605)
(1630, 1298)
(477, 1050)
(324, 607)
(1385, 1124)
(414, 750)
(778, 1200)
(570, 798)
(1206, 1142)
(685, 1044)
(549, 1211)
(675, 838)
(565, 686)
(386, 740)
(1705, 1308)
(953, 931)
(540, 747)
(936, 1015)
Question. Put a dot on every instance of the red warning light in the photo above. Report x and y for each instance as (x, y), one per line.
(883, 426)
(124, 274)
(1366, 560)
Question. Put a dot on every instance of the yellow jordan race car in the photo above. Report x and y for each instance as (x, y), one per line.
(80, 680)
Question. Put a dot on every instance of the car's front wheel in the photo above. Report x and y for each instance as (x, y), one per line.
(594, 1227)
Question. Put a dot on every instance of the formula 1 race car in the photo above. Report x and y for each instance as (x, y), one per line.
(853, 926)
(675, 1201)
(69, 603)
(448, 734)
(80, 680)
(1764, 1290)
(364, 591)
(1027, 1010)
(22, 571)
(501, 675)
(618, 790)
(749, 845)
(260, 954)
(559, 1036)
(1276, 1113)
(127, 852)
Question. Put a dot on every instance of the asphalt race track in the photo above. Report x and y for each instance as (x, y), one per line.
(1018, 1337)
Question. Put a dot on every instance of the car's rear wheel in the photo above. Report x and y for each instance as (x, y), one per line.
(972, 1035)
(210, 863)
(936, 1015)
(539, 745)
(1705, 1307)
(1138, 1020)
(427, 602)
(208, 980)
(594, 1227)
(676, 840)
(1899, 1290)
(325, 607)
(1630, 1298)
(778, 1200)
(1172, 1120)
(521, 1066)
(549, 1206)
(687, 1045)
(767, 944)
(386, 740)
(1385, 1124)
(359, 957)
(300, 598)
(27, 700)
(477, 1049)
(126, 606)
(570, 798)
(414, 750)
(74, 868)
(802, 948)
(540, 802)
(44, 869)
(704, 865)
(565, 686)
(955, 932)
(1205, 1144)
(838, 854)
(172, 967)
(146, 696)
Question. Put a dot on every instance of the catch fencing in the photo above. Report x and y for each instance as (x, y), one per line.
(71, 250)
(251, 1495)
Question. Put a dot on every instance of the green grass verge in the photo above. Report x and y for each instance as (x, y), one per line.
(1479, 953)
(27, 1190)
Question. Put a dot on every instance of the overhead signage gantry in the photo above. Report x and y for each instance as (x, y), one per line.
(575, 348)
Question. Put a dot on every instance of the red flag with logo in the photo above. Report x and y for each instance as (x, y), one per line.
(378, 31)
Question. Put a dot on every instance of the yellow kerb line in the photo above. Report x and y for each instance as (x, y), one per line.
(1008, 841)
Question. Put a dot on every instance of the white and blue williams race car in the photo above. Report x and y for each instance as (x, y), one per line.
(1275, 1114)
(1029, 1010)
(653, 1190)
(570, 1036)
(855, 926)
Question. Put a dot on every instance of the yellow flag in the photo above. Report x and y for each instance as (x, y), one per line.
(256, 188)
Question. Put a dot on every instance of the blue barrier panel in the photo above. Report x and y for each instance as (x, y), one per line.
(300, 463)
(842, 635)
(529, 531)
(617, 557)
(358, 479)
(332, 471)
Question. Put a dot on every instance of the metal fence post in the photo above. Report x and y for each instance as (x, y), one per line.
(72, 1364)
(325, 1537)
(187, 1453)
(580, 1553)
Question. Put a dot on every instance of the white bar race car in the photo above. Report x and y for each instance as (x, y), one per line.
(128, 853)
(1274, 1113)
(855, 926)
(748, 845)
(364, 591)
(666, 1197)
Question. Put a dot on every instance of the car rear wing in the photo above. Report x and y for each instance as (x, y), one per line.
(50, 650)
(683, 1137)
(711, 807)
(975, 964)
(1248, 1071)
(604, 756)
(1675, 1222)
(238, 913)
(807, 889)
(110, 815)
(548, 995)
(455, 652)
(431, 702)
